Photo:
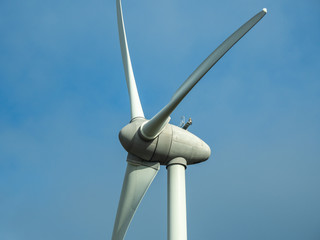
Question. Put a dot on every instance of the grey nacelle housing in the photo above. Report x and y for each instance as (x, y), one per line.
(171, 143)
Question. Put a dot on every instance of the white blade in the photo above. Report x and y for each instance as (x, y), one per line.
(136, 109)
(152, 128)
(139, 175)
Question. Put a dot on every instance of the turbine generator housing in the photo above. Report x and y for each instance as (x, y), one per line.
(171, 143)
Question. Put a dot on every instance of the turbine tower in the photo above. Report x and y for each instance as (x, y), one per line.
(155, 142)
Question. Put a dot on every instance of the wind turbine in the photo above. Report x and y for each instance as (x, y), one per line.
(155, 142)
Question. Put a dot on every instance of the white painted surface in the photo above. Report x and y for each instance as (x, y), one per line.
(177, 212)
(136, 182)
(135, 104)
(156, 123)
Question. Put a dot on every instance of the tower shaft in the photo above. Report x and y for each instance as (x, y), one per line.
(177, 211)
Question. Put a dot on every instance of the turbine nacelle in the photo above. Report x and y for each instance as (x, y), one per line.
(171, 143)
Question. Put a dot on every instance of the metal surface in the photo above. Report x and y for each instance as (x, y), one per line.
(177, 210)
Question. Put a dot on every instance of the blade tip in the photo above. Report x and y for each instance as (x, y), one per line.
(265, 10)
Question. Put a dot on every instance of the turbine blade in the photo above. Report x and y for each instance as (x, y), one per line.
(136, 109)
(138, 177)
(153, 127)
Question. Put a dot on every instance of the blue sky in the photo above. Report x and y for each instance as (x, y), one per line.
(63, 100)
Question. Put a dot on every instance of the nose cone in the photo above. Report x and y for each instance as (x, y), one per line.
(126, 136)
(132, 142)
